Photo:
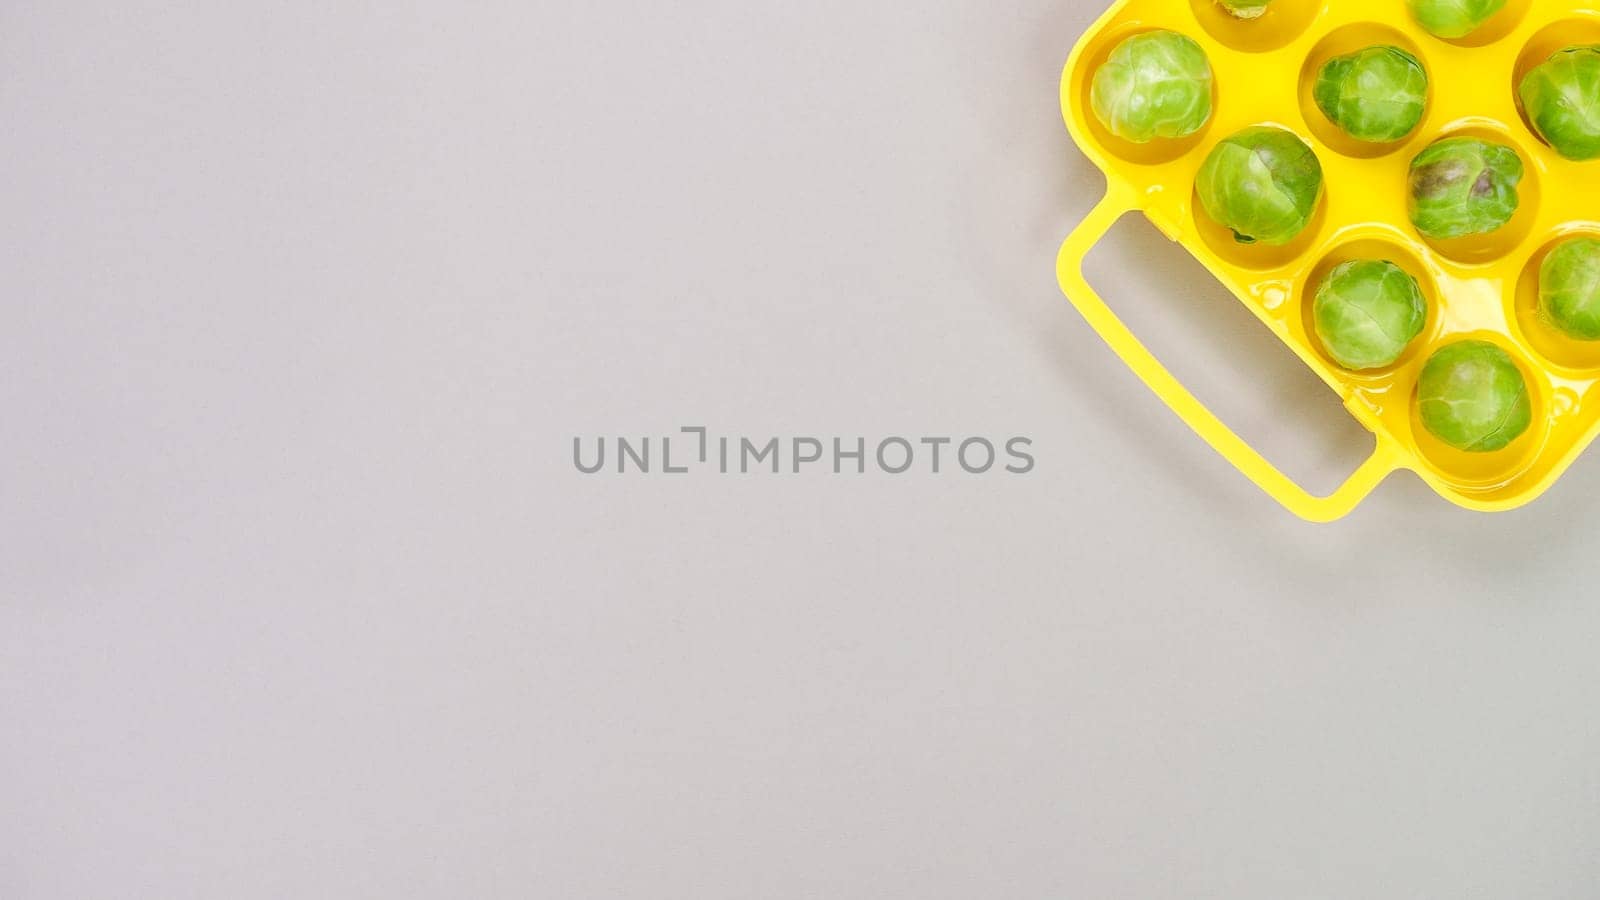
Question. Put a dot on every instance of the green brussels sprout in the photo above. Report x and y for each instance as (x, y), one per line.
(1453, 19)
(1154, 85)
(1569, 288)
(1473, 397)
(1562, 98)
(1245, 9)
(1263, 183)
(1377, 95)
(1367, 312)
(1464, 186)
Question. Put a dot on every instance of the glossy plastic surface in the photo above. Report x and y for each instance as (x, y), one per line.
(1483, 288)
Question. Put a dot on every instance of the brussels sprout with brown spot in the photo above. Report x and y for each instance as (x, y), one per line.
(1464, 186)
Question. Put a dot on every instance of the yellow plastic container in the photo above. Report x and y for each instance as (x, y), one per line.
(1483, 288)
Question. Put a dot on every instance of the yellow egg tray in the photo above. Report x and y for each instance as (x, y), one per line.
(1481, 288)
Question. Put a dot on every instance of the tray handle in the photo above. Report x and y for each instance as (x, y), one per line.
(1069, 269)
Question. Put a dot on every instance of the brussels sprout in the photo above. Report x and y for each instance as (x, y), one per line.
(1454, 19)
(1263, 183)
(1367, 312)
(1154, 85)
(1376, 95)
(1473, 397)
(1569, 288)
(1464, 186)
(1245, 9)
(1562, 98)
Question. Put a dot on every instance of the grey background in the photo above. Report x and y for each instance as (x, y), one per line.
(303, 304)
